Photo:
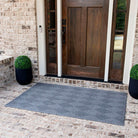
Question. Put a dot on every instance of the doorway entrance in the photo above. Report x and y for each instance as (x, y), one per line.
(84, 36)
(84, 26)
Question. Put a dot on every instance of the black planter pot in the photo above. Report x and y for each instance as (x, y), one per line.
(133, 88)
(24, 76)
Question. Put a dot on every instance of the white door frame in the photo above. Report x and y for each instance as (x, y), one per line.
(59, 36)
(108, 41)
(41, 34)
(42, 37)
(130, 40)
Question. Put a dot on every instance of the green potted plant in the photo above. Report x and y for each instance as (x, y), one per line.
(23, 69)
(133, 84)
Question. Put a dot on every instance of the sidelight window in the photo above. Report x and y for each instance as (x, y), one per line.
(119, 31)
(51, 36)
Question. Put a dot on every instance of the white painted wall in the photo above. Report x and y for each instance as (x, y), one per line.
(108, 42)
(41, 36)
(130, 40)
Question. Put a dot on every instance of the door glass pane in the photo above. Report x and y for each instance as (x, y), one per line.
(118, 49)
(52, 20)
(121, 4)
(52, 38)
(119, 34)
(52, 4)
(120, 21)
(52, 55)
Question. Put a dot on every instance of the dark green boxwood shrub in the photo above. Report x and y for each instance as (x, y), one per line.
(22, 62)
(134, 72)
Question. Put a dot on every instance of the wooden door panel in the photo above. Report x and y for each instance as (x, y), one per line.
(85, 3)
(92, 3)
(94, 37)
(83, 71)
(74, 35)
(83, 37)
(86, 31)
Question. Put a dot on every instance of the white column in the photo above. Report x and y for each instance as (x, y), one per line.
(130, 40)
(41, 36)
(108, 43)
(59, 36)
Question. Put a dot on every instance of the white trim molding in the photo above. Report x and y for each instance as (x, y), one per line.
(40, 5)
(108, 42)
(130, 40)
(59, 36)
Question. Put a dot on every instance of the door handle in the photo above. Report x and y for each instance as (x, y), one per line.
(63, 35)
(64, 31)
(63, 21)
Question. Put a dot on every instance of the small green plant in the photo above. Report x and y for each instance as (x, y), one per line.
(22, 62)
(134, 72)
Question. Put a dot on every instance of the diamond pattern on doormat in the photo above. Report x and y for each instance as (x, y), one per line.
(83, 103)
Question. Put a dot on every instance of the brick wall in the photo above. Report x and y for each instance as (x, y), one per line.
(135, 55)
(6, 70)
(18, 29)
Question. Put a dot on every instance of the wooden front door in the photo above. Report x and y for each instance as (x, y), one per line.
(84, 30)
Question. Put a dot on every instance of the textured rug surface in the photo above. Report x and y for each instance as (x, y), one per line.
(83, 103)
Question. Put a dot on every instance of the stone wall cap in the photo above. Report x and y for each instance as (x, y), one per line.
(5, 59)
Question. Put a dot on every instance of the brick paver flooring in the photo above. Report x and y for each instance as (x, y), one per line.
(16, 123)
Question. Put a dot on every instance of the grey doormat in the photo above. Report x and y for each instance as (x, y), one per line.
(83, 103)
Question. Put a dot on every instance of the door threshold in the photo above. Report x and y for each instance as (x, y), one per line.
(118, 82)
(84, 78)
